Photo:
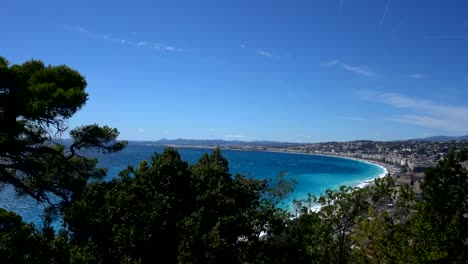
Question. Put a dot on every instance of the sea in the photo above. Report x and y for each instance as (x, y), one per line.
(313, 173)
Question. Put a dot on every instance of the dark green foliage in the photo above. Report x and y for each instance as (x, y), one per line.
(298, 240)
(199, 213)
(35, 102)
(383, 237)
(170, 210)
(442, 218)
(446, 186)
(431, 231)
(20, 243)
(17, 243)
(324, 236)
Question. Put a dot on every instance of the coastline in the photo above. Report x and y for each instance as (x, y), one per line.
(389, 169)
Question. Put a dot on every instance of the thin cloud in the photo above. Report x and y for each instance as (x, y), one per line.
(385, 12)
(140, 130)
(76, 28)
(416, 76)
(260, 52)
(138, 44)
(264, 53)
(350, 118)
(360, 70)
(428, 122)
(234, 136)
(332, 63)
(425, 113)
(341, 5)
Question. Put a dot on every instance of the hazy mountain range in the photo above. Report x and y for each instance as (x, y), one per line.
(221, 142)
(441, 138)
(215, 142)
(258, 143)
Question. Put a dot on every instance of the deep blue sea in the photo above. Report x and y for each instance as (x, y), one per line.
(314, 174)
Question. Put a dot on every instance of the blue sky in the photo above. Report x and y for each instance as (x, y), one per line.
(301, 71)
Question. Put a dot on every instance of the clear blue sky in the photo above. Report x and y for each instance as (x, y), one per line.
(302, 71)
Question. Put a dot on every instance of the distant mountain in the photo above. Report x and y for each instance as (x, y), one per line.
(441, 138)
(214, 142)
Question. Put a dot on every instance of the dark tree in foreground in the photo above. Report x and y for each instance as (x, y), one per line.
(442, 218)
(434, 230)
(18, 241)
(171, 210)
(35, 102)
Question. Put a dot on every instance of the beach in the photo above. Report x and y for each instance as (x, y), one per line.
(389, 169)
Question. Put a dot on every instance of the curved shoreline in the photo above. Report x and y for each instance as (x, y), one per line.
(362, 183)
(389, 169)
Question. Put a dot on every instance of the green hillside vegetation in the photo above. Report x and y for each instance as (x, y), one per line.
(167, 210)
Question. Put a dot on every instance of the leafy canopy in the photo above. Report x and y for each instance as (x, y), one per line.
(35, 103)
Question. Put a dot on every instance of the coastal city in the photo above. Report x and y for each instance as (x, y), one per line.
(412, 155)
(405, 161)
(331, 132)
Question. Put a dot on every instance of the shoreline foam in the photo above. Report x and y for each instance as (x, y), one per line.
(361, 184)
(385, 167)
(388, 169)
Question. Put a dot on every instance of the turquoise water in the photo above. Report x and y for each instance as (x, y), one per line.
(314, 174)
